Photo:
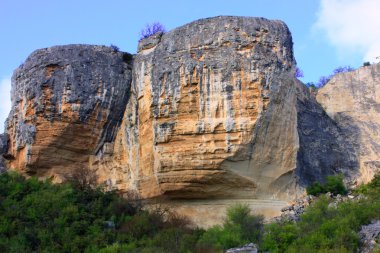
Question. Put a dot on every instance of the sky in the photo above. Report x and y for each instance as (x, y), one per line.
(326, 33)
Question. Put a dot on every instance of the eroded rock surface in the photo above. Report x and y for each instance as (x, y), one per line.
(67, 103)
(352, 100)
(212, 111)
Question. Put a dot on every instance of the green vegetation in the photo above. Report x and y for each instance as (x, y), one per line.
(323, 228)
(334, 184)
(239, 228)
(39, 216)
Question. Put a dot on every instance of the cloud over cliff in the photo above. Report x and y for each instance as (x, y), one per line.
(351, 26)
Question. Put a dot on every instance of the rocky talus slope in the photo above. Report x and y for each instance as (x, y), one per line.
(210, 110)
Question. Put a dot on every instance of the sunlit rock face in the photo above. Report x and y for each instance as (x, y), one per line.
(212, 112)
(207, 113)
(67, 103)
(352, 100)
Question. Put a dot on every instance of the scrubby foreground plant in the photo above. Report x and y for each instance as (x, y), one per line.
(38, 216)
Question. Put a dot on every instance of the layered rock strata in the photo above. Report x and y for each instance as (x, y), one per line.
(208, 110)
(215, 111)
(67, 102)
(199, 96)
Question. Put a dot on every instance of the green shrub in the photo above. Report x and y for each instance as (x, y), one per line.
(38, 216)
(315, 189)
(278, 237)
(367, 63)
(334, 184)
(239, 228)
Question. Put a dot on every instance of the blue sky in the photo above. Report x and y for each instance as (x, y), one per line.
(326, 33)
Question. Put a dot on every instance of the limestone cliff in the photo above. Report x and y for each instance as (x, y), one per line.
(198, 98)
(67, 102)
(208, 110)
(352, 100)
(215, 111)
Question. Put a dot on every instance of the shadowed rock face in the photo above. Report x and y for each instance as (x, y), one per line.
(325, 147)
(3, 150)
(67, 103)
(352, 100)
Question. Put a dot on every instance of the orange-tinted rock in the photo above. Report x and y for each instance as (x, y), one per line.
(210, 111)
(199, 94)
(67, 103)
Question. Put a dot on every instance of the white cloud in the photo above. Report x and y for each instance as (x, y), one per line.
(5, 100)
(352, 26)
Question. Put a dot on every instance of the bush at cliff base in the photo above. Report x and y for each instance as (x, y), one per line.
(38, 216)
(325, 228)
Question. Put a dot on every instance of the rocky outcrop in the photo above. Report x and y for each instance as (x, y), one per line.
(352, 100)
(67, 103)
(370, 237)
(215, 111)
(210, 110)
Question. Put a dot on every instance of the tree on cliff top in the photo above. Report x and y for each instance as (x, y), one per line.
(151, 29)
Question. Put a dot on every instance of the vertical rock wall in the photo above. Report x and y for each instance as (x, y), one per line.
(211, 111)
(352, 100)
(208, 110)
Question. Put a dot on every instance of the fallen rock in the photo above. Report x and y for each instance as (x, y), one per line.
(370, 237)
(248, 248)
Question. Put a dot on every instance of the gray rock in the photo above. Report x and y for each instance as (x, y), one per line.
(248, 248)
(3, 143)
(370, 237)
(72, 98)
(324, 147)
(3, 150)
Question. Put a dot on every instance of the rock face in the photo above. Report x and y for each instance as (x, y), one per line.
(352, 100)
(67, 103)
(215, 111)
(212, 112)
(369, 237)
(3, 150)
(208, 110)
(324, 146)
